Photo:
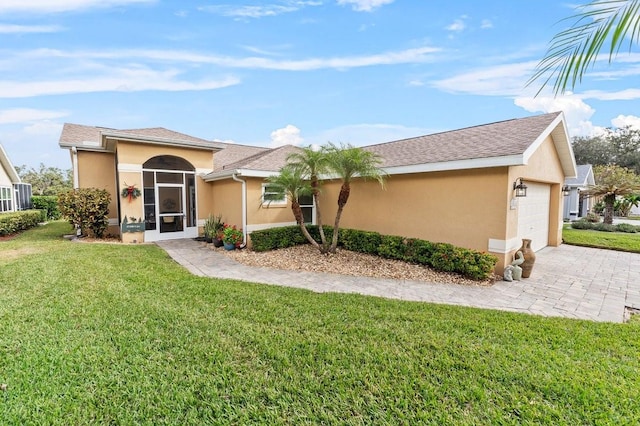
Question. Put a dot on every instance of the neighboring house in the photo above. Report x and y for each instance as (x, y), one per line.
(456, 187)
(576, 204)
(14, 195)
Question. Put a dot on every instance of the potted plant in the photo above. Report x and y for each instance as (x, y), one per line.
(232, 237)
(209, 228)
(218, 227)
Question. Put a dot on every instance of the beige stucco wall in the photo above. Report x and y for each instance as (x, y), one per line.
(260, 215)
(464, 208)
(226, 197)
(98, 170)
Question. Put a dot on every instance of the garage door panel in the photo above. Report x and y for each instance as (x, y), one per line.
(533, 215)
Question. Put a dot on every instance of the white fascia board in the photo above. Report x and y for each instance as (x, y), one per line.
(227, 174)
(80, 147)
(211, 146)
(474, 163)
(561, 142)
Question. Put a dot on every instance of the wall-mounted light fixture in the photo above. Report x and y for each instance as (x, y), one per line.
(566, 190)
(520, 188)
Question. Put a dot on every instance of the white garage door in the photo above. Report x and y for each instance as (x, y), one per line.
(533, 215)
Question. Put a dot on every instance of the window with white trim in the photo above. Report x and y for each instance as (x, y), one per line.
(272, 195)
(5, 199)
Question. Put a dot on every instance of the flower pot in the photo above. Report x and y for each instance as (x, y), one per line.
(208, 239)
(217, 242)
(529, 258)
(229, 246)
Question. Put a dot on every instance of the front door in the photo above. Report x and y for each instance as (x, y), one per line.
(169, 204)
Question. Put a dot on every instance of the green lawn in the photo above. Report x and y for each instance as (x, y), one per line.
(115, 334)
(599, 239)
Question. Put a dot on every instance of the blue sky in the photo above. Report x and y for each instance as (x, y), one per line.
(287, 71)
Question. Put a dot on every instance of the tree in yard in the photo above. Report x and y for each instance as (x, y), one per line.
(292, 183)
(312, 163)
(594, 150)
(303, 174)
(612, 181)
(349, 162)
(616, 146)
(573, 50)
(46, 180)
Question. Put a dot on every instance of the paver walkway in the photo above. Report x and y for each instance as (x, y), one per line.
(567, 281)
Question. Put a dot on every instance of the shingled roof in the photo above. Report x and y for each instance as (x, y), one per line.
(584, 177)
(504, 143)
(261, 164)
(95, 137)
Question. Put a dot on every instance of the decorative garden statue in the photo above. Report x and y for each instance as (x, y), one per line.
(517, 270)
(508, 273)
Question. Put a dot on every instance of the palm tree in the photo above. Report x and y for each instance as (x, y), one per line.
(291, 182)
(312, 163)
(349, 162)
(573, 50)
(611, 181)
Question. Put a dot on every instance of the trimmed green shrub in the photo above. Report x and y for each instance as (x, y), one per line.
(10, 223)
(605, 227)
(277, 238)
(87, 209)
(627, 227)
(582, 224)
(440, 256)
(48, 203)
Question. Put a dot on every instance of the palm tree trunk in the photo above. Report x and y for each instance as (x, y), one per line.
(316, 199)
(345, 191)
(609, 201)
(297, 213)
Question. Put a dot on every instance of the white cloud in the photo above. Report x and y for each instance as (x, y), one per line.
(486, 24)
(28, 29)
(54, 6)
(626, 120)
(414, 55)
(35, 143)
(622, 95)
(243, 12)
(289, 135)
(416, 83)
(364, 5)
(368, 134)
(576, 111)
(457, 25)
(120, 80)
(499, 80)
(24, 115)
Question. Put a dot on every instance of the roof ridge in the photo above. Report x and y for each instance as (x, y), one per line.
(463, 128)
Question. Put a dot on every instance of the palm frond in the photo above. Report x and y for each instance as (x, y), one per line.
(574, 50)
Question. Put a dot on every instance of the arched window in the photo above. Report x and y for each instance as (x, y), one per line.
(168, 162)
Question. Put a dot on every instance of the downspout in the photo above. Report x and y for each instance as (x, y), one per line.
(76, 180)
(74, 162)
(244, 208)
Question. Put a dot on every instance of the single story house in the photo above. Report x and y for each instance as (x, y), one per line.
(463, 186)
(576, 204)
(14, 195)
